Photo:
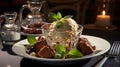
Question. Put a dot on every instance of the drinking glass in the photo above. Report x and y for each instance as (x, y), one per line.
(10, 30)
(32, 23)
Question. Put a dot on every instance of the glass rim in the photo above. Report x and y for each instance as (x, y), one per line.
(10, 13)
(47, 28)
(35, 2)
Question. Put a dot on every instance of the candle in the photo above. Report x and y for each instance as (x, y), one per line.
(103, 20)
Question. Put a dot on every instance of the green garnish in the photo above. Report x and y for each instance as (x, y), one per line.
(31, 39)
(59, 24)
(60, 49)
(61, 52)
(57, 17)
(57, 55)
(74, 53)
(68, 16)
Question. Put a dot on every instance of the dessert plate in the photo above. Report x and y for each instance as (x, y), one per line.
(101, 44)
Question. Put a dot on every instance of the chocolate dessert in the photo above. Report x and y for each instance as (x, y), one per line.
(46, 52)
(41, 49)
(59, 39)
(85, 46)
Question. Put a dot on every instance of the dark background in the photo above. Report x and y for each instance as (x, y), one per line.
(15, 5)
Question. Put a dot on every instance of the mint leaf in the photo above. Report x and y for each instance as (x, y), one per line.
(59, 15)
(60, 48)
(55, 17)
(52, 16)
(68, 16)
(74, 53)
(59, 24)
(31, 39)
(57, 55)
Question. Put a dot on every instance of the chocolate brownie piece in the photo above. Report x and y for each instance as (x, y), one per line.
(85, 46)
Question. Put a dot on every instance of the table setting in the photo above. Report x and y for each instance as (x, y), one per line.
(61, 42)
(7, 53)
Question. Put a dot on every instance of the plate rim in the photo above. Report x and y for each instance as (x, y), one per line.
(69, 59)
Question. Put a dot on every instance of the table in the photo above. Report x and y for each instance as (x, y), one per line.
(10, 59)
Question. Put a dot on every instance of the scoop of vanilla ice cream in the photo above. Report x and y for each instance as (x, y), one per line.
(68, 25)
(65, 33)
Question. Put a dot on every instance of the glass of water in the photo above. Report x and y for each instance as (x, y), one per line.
(10, 30)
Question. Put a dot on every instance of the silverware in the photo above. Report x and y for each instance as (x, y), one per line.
(113, 52)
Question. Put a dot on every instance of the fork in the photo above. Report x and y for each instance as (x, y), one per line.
(113, 52)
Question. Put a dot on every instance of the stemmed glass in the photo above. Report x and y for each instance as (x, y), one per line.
(67, 39)
(32, 23)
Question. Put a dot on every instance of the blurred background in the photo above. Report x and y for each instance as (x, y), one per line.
(84, 11)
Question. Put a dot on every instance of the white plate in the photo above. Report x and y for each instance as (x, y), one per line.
(102, 46)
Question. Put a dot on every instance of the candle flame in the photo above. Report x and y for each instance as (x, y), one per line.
(103, 12)
(29, 16)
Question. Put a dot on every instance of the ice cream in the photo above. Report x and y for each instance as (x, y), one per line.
(65, 34)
